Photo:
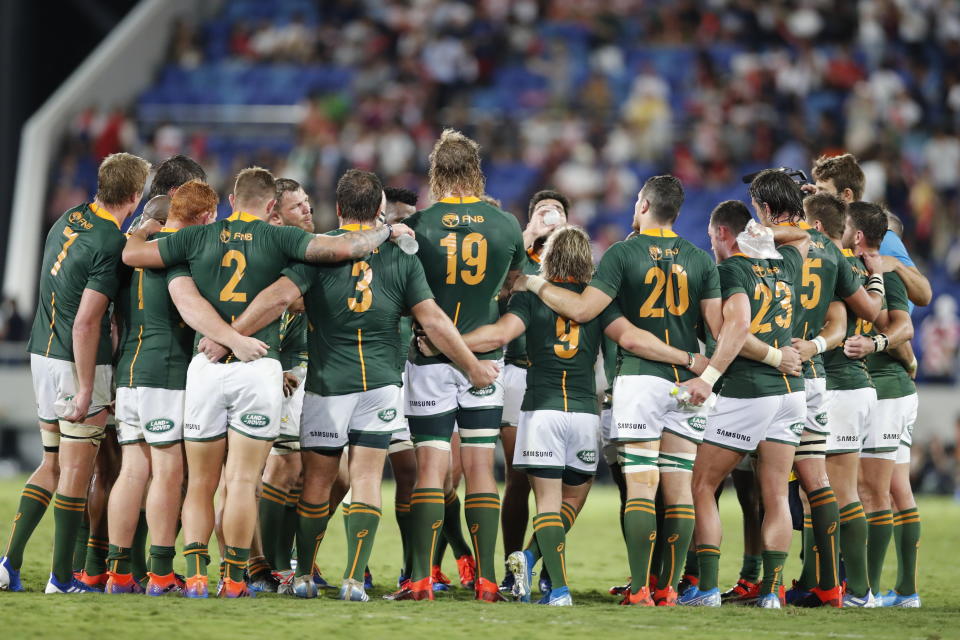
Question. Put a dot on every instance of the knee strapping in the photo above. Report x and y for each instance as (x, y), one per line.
(285, 447)
(634, 460)
(673, 462)
(442, 445)
(50, 441)
(399, 445)
(480, 438)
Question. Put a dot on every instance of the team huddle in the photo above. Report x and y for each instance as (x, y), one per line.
(252, 360)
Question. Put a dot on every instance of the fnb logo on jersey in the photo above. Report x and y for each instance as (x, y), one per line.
(658, 253)
(255, 420)
(763, 272)
(225, 235)
(159, 425)
(77, 218)
(450, 220)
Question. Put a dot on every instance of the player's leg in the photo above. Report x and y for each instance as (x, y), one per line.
(515, 510)
(204, 465)
(273, 503)
(105, 469)
(403, 462)
(877, 461)
(123, 512)
(368, 452)
(773, 476)
(453, 520)
(906, 518)
(747, 588)
(677, 454)
(163, 505)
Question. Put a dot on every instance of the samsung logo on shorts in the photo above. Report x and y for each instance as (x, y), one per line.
(848, 439)
(537, 454)
(631, 425)
(423, 403)
(324, 434)
(736, 436)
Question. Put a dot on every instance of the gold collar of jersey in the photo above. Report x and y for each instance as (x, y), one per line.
(459, 200)
(100, 212)
(801, 224)
(243, 216)
(168, 230)
(848, 253)
(659, 233)
(533, 255)
(355, 227)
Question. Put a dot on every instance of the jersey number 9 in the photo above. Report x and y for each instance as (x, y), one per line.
(568, 338)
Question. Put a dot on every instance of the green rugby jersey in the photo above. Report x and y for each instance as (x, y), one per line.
(354, 311)
(233, 260)
(155, 344)
(769, 286)
(82, 251)
(824, 279)
(466, 248)
(293, 340)
(844, 374)
(888, 374)
(562, 354)
(516, 353)
(404, 337)
(659, 279)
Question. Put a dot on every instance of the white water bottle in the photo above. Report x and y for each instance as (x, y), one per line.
(552, 218)
(408, 244)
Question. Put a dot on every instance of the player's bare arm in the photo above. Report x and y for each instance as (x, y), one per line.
(787, 359)
(138, 252)
(579, 307)
(788, 234)
(897, 330)
(917, 284)
(204, 319)
(904, 353)
(646, 345)
(830, 337)
(736, 328)
(488, 337)
(712, 311)
(441, 332)
(353, 245)
(86, 339)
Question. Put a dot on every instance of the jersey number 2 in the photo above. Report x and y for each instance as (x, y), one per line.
(228, 293)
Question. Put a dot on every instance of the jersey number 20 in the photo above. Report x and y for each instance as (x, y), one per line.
(676, 286)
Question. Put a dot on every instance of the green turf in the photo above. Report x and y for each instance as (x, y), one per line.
(596, 560)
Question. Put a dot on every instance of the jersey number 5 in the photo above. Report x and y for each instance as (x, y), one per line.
(474, 254)
(678, 292)
(568, 338)
(363, 295)
(813, 280)
(228, 293)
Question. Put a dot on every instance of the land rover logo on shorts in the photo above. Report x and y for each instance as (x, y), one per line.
(483, 391)
(387, 415)
(159, 425)
(797, 428)
(910, 429)
(587, 456)
(450, 220)
(821, 419)
(698, 423)
(254, 420)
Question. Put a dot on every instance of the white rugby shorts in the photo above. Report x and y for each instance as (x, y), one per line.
(550, 439)
(328, 420)
(55, 383)
(850, 411)
(514, 387)
(892, 418)
(149, 414)
(741, 424)
(643, 409)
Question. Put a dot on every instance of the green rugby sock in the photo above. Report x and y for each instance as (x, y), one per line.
(853, 546)
(750, 568)
(288, 533)
(482, 511)
(361, 532)
(197, 557)
(67, 516)
(273, 505)
(440, 549)
(808, 576)
(879, 532)
(773, 562)
(96, 560)
(908, 548)
(551, 538)
(311, 527)
(453, 525)
(138, 552)
(118, 559)
(826, 519)
(676, 533)
(568, 515)
(426, 516)
(161, 560)
(402, 512)
(80, 546)
(33, 504)
(708, 559)
(692, 566)
(236, 559)
(656, 558)
(640, 527)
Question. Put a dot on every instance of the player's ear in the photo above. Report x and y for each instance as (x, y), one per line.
(232, 199)
(271, 205)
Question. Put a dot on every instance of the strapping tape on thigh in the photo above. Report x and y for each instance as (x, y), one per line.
(81, 432)
(672, 462)
(635, 460)
(812, 445)
(399, 445)
(50, 440)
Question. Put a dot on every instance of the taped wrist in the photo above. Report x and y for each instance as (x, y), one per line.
(874, 284)
(710, 375)
(773, 358)
(880, 342)
(821, 343)
(535, 283)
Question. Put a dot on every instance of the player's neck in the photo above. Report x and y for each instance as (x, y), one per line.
(654, 226)
(261, 213)
(118, 213)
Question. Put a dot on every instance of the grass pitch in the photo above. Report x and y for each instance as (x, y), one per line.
(596, 559)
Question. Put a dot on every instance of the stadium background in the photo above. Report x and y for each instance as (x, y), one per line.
(587, 97)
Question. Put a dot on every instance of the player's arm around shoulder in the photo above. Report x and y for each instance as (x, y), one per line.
(139, 252)
(646, 345)
(353, 245)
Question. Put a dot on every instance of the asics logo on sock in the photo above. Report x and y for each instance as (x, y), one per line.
(474, 527)
(673, 538)
(437, 524)
(653, 536)
(560, 548)
(832, 527)
(362, 533)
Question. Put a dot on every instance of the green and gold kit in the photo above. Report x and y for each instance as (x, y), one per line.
(466, 248)
(354, 311)
(844, 374)
(155, 344)
(770, 287)
(659, 279)
(888, 374)
(824, 279)
(82, 251)
(516, 353)
(233, 260)
(562, 354)
(293, 340)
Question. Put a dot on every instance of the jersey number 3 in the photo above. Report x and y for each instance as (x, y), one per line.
(363, 295)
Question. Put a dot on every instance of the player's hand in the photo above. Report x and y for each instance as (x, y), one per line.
(858, 347)
(290, 383)
(81, 406)
(808, 188)
(792, 360)
(700, 363)
(147, 227)
(401, 229)
(214, 351)
(873, 261)
(520, 284)
(484, 374)
(247, 349)
(806, 348)
(426, 347)
(699, 390)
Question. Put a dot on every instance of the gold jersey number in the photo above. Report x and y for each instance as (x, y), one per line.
(71, 238)
(784, 298)
(568, 338)
(812, 280)
(229, 292)
(677, 292)
(363, 295)
(473, 252)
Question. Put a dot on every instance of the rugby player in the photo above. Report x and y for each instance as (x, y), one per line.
(516, 491)
(469, 251)
(894, 416)
(671, 289)
(758, 409)
(70, 359)
(236, 402)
